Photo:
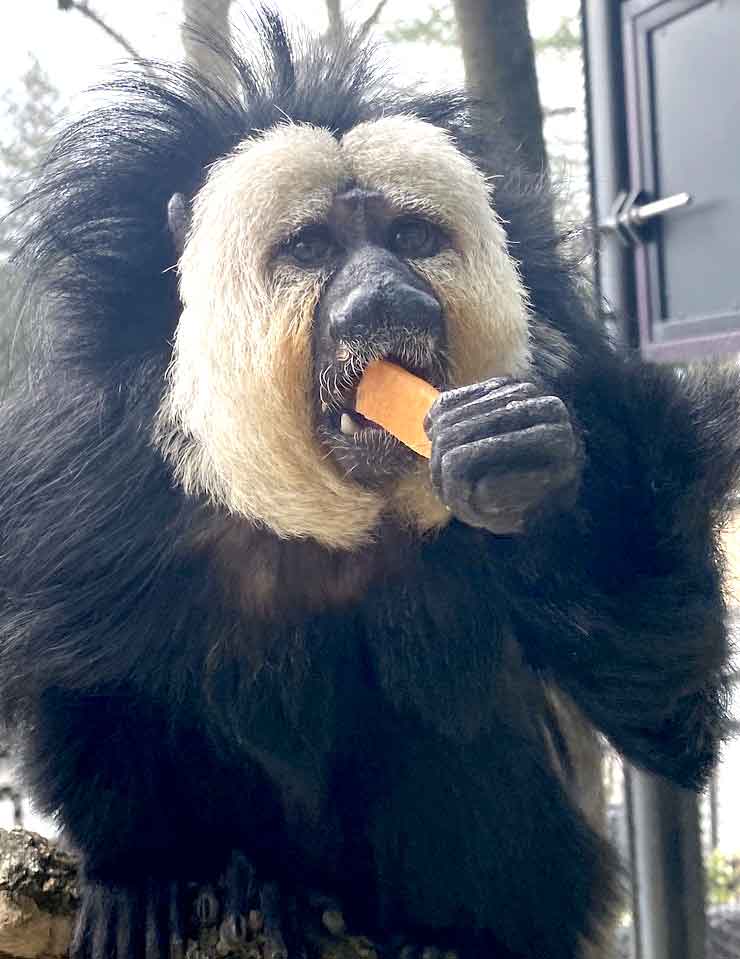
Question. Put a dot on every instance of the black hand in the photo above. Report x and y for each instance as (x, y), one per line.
(503, 453)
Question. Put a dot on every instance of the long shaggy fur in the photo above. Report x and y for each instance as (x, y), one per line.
(213, 641)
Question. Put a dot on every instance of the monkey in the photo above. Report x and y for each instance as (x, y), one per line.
(250, 638)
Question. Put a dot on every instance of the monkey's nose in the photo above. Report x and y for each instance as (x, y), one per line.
(367, 310)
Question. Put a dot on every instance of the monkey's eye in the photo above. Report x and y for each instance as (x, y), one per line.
(311, 246)
(414, 238)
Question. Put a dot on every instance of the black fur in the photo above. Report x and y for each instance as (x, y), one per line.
(392, 749)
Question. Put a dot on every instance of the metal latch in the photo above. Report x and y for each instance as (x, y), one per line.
(632, 211)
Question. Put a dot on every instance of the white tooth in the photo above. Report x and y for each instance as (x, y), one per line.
(348, 425)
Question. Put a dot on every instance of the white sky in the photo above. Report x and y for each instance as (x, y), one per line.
(76, 53)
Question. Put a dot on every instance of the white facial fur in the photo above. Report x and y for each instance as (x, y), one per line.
(236, 420)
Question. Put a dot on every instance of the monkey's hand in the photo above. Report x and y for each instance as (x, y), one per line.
(503, 454)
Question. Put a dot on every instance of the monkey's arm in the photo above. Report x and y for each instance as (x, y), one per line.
(613, 580)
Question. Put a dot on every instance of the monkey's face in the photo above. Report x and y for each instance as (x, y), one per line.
(308, 257)
(375, 305)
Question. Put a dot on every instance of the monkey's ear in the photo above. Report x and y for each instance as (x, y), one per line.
(178, 221)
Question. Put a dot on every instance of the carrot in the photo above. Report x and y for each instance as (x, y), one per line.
(398, 401)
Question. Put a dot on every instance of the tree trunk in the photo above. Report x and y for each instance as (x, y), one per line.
(336, 21)
(500, 69)
(204, 27)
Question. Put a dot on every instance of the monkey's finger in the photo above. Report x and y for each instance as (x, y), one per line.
(177, 930)
(466, 394)
(533, 448)
(156, 921)
(95, 935)
(274, 947)
(484, 419)
(496, 392)
(145, 920)
(206, 907)
(239, 883)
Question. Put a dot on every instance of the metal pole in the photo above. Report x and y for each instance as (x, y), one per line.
(629, 814)
(608, 159)
(714, 811)
(668, 869)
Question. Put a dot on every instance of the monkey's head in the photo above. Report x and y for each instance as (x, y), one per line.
(310, 254)
(330, 221)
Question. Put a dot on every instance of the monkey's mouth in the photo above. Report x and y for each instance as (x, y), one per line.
(363, 450)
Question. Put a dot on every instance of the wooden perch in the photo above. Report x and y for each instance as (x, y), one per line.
(39, 897)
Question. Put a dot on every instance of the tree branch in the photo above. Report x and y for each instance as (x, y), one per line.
(558, 111)
(372, 19)
(336, 19)
(82, 7)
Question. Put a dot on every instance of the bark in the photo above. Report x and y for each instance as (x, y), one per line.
(205, 26)
(500, 70)
(38, 897)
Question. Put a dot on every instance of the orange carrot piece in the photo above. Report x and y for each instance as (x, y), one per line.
(398, 401)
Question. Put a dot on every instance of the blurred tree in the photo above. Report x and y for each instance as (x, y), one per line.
(438, 26)
(30, 117)
(205, 25)
(499, 59)
(564, 39)
(337, 21)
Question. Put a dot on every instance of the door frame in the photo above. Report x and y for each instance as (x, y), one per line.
(712, 333)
